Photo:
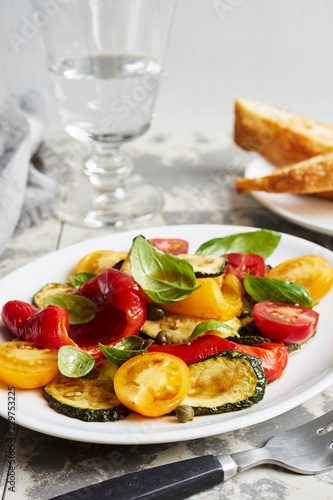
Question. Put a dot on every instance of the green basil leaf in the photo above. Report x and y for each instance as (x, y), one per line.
(125, 349)
(262, 289)
(262, 242)
(217, 327)
(73, 362)
(164, 277)
(78, 279)
(80, 309)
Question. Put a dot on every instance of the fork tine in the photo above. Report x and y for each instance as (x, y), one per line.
(313, 428)
(324, 441)
(322, 421)
(307, 449)
(328, 436)
(317, 424)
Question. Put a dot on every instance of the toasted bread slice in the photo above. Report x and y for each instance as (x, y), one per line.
(284, 138)
(311, 176)
(327, 195)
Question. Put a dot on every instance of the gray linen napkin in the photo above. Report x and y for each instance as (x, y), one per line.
(28, 179)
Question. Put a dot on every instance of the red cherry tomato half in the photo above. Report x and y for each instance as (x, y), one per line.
(241, 263)
(170, 245)
(283, 322)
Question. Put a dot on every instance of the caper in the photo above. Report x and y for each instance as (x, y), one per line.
(155, 312)
(184, 413)
(164, 337)
(168, 336)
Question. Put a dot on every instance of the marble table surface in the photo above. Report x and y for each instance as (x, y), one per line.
(196, 174)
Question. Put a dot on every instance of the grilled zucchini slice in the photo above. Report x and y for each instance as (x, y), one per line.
(175, 326)
(51, 289)
(90, 398)
(228, 381)
(205, 266)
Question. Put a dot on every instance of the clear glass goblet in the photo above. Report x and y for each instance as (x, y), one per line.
(106, 59)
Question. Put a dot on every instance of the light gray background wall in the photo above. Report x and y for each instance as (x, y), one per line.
(277, 51)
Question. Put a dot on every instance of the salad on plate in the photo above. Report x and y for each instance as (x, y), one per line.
(157, 330)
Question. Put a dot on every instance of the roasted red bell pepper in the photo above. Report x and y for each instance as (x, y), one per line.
(274, 357)
(201, 348)
(47, 327)
(15, 314)
(121, 310)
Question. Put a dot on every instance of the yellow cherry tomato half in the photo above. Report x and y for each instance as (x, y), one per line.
(311, 271)
(152, 384)
(26, 365)
(96, 262)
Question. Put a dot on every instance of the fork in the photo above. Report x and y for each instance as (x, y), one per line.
(307, 449)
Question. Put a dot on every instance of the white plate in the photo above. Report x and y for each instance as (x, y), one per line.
(309, 371)
(306, 211)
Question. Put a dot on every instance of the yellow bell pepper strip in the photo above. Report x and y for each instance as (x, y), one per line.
(211, 301)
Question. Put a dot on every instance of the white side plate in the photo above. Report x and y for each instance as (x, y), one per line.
(306, 211)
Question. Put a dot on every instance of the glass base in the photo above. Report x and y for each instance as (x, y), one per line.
(82, 205)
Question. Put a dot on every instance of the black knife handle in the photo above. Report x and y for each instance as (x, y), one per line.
(174, 481)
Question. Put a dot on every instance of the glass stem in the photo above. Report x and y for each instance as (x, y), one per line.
(108, 168)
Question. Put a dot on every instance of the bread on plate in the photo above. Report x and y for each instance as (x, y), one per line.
(314, 175)
(301, 147)
(282, 137)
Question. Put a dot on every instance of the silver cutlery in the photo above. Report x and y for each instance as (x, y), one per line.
(307, 449)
